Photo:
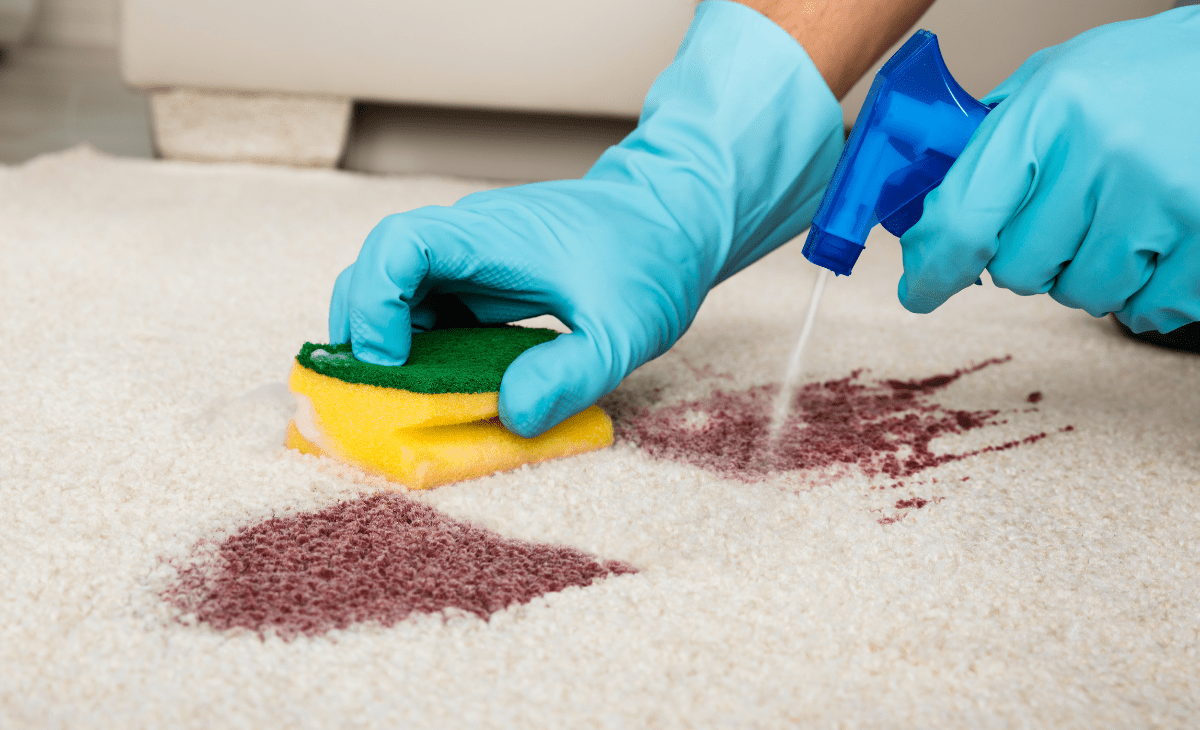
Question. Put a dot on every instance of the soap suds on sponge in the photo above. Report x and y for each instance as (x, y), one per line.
(433, 420)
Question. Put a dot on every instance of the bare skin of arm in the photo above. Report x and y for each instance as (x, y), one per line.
(843, 37)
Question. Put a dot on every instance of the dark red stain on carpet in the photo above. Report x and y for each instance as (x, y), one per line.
(380, 558)
(883, 428)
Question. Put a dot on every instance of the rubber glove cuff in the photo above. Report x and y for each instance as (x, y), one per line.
(740, 128)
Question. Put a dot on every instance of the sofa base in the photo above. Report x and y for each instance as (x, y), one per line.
(224, 126)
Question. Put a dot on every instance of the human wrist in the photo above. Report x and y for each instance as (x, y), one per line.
(842, 39)
(737, 137)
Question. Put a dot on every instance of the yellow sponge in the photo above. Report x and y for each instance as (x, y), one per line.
(423, 439)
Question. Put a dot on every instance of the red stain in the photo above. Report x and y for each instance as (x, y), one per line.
(705, 371)
(380, 558)
(1035, 397)
(914, 503)
(883, 428)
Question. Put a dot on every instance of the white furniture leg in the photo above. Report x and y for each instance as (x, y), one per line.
(229, 126)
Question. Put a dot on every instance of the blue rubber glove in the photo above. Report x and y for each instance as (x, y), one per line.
(736, 142)
(1083, 183)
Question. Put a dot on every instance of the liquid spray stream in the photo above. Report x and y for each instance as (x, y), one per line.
(783, 401)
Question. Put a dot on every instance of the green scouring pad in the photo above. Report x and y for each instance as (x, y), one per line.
(461, 360)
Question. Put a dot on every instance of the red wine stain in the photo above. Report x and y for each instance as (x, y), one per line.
(1035, 397)
(883, 428)
(380, 558)
(704, 371)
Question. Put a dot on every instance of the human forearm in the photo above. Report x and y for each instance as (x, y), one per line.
(843, 37)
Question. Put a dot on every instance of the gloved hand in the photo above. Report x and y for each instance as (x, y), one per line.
(736, 142)
(1084, 182)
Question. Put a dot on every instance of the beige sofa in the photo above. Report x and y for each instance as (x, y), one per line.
(282, 73)
(273, 80)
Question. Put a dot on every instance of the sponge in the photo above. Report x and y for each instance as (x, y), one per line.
(432, 421)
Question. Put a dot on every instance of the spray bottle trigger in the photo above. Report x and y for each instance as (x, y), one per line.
(914, 124)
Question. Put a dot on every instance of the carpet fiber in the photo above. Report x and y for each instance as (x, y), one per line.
(988, 516)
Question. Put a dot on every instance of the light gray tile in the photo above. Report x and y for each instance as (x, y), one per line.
(53, 97)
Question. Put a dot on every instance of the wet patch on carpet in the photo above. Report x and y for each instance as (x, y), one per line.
(883, 428)
(380, 558)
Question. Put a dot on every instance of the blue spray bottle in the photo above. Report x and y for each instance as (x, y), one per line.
(914, 124)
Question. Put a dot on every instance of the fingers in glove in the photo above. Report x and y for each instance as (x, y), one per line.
(1047, 229)
(1117, 232)
(952, 244)
(437, 251)
(388, 276)
(1171, 297)
(556, 380)
(339, 308)
(960, 231)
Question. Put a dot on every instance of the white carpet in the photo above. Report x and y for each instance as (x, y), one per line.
(150, 312)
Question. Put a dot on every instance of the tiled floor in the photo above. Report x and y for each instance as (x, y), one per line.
(55, 97)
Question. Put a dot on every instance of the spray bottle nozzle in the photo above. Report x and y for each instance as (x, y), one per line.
(915, 122)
